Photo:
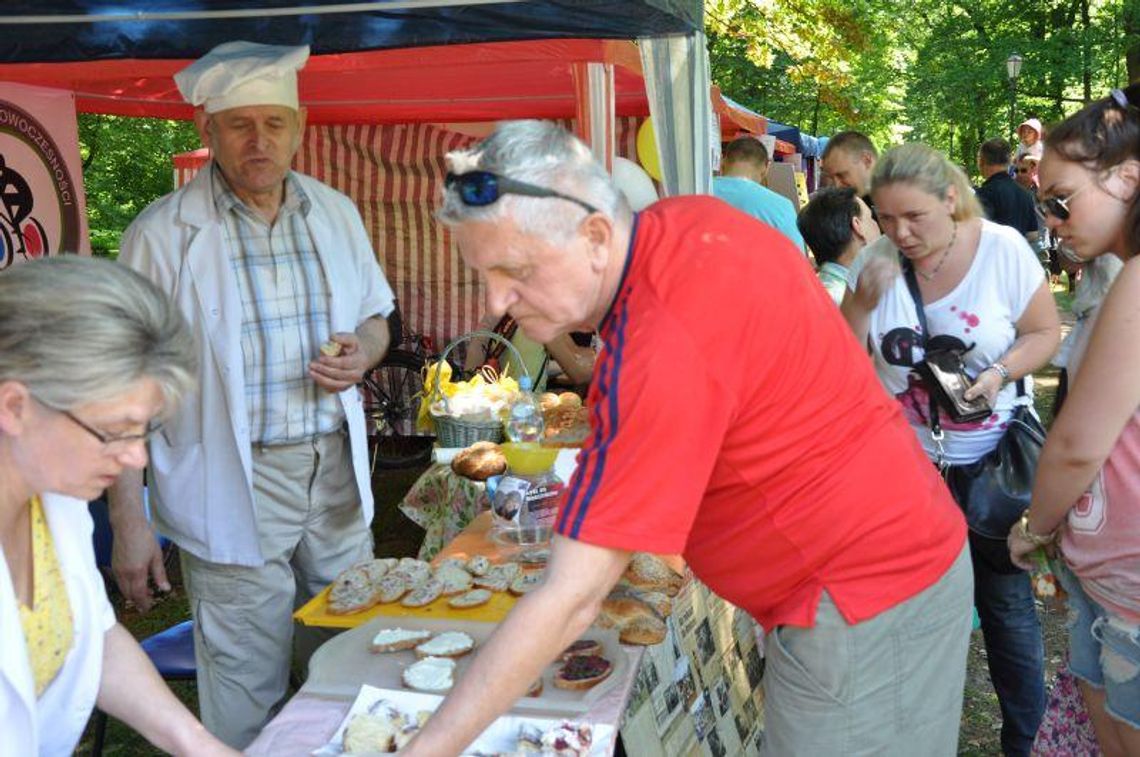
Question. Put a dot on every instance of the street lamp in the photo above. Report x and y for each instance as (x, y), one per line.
(1013, 70)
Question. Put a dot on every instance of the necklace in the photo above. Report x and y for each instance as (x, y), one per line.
(942, 261)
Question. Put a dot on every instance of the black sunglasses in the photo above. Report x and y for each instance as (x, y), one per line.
(481, 188)
(1058, 207)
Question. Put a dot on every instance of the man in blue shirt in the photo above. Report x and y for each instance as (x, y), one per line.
(744, 168)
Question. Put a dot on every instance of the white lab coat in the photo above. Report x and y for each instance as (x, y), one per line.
(201, 469)
(52, 725)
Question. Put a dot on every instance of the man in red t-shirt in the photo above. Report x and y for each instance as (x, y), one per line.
(736, 421)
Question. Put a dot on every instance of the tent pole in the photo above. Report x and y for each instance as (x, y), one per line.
(594, 109)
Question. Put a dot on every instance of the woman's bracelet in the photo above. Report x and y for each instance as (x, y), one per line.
(1034, 539)
(999, 366)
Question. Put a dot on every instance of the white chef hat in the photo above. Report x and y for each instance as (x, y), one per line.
(240, 73)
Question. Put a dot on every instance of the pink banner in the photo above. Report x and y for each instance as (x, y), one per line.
(42, 208)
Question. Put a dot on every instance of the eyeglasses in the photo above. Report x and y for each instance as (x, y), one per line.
(1058, 207)
(117, 441)
(1023, 170)
(478, 189)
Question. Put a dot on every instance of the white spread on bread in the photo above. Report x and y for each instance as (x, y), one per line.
(397, 636)
(447, 643)
(430, 674)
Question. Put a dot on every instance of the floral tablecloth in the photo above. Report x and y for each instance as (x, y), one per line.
(442, 504)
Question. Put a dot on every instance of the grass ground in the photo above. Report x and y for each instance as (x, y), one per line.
(397, 536)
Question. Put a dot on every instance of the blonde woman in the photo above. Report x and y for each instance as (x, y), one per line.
(985, 295)
(91, 355)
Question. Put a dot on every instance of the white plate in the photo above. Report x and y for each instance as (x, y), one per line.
(345, 662)
(500, 736)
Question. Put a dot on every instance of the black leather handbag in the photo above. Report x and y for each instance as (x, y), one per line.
(994, 491)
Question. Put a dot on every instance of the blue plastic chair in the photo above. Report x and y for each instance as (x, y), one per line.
(171, 651)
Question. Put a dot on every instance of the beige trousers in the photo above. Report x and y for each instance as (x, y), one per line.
(310, 528)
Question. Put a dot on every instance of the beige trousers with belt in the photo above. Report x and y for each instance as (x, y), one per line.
(310, 528)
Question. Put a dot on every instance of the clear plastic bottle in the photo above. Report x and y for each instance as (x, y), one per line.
(524, 419)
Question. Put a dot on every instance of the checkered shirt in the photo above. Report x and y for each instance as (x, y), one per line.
(285, 315)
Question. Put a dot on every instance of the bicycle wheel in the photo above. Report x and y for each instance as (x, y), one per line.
(7, 251)
(391, 404)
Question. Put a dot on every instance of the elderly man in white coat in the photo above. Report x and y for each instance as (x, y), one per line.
(261, 478)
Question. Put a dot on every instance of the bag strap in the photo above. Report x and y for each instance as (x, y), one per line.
(936, 432)
(935, 422)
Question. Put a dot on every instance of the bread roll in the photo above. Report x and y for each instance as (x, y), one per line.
(644, 630)
(569, 399)
(480, 461)
(647, 572)
(635, 621)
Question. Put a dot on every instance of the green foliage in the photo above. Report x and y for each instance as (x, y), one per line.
(126, 166)
(926, 70)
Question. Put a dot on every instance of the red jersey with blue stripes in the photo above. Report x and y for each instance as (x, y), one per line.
(736, 421)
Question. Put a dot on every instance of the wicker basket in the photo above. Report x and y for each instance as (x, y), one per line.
(457, 432)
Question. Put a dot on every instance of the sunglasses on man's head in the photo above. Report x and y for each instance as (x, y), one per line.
(481, 188)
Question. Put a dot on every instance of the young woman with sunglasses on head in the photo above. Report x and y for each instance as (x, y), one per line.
(984, 295)
(1086, 496)
(90, 355)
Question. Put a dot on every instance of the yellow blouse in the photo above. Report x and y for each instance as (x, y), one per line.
(47, 624)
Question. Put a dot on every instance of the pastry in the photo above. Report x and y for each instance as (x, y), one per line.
(480, 461)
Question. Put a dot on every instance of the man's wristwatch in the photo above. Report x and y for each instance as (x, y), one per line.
(999, 366)
(1034, 539)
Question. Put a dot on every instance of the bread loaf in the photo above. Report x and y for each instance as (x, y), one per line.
(480, 461)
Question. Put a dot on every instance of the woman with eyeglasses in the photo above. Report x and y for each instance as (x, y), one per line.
(91, 354)
(1086, 497)
(984, 296)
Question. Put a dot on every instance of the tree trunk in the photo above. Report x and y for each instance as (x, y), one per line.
(1131, 23)
(1086, 51)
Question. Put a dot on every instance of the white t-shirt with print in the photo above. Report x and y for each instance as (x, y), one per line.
(979, 314)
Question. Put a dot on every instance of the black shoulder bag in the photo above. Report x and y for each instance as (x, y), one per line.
(993, 491)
